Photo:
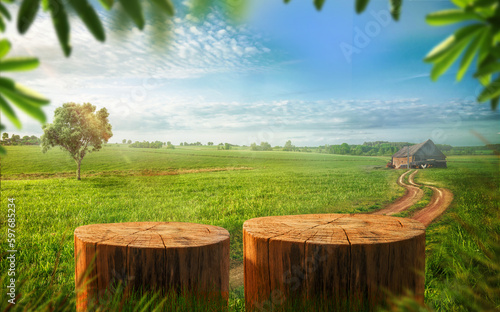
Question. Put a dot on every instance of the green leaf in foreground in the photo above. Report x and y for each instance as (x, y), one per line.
(361, 5)
(460, 3)
(451, 16)
(4, 47)
(61, 24)
(319, 4)
(134, 9)
(470, 53)
(2, 25)
(9, 112)
(19, 64)
(491, 91)
(165, 5)
(449, 43)
(396, 9)
(45, 5)
(107, 4)
(26, 15)
(443, 63)
(488, 70)
(4, 11)
(30, 95)
(27, 106)
(89, 17)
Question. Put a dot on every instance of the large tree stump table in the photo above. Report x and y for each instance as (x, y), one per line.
(331, 262)
(158, 256)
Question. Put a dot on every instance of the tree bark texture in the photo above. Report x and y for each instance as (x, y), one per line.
(334, 262)
(185, 258)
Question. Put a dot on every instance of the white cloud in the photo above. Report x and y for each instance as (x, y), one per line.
(194, 49)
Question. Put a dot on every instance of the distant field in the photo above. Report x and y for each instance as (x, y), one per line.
(30, 159)
(121, 184)
(274, 183)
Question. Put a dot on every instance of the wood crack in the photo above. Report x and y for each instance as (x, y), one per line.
(350, 265)
(320, 261)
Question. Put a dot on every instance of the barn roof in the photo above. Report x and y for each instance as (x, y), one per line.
(429, 150)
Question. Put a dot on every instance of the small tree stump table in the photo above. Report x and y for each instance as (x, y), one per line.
(161, 256)
(331, 262)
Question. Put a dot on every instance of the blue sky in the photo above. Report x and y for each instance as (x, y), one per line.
(283, 72)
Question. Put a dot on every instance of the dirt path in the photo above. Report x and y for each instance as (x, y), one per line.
(441, 199)
(412, 196)
(236, 277)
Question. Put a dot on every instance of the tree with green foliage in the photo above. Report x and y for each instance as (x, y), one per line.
(288, 146)
(265, 146)
(358, 150)
(15, 138)
(124, 141)
(147, 144)
(5, 136)
(129, 142)
(78, 129)
(344, 148)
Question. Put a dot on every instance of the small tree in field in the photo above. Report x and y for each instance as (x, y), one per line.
(78, 129)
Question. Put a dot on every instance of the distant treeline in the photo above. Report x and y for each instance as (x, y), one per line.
(195, 144)
(146, 144)
(378, 148)
(16, 139)
(383, 148)
(469, 150)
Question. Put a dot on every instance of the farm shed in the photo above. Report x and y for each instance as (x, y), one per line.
(423, 155)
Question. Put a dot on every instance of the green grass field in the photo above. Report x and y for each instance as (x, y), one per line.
(223, 188)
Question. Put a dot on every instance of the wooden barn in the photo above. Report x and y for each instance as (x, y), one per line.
(423, 155)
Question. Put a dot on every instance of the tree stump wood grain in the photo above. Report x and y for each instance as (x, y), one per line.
(334, 262)
(164, 256)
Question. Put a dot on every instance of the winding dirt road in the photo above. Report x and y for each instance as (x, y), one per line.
(412, 195)
(441, 199)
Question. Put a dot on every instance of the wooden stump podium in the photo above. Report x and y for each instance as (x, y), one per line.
(331, 262)
(159, 256)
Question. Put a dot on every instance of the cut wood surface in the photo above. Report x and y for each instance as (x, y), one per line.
(165, 256)
(344, 261)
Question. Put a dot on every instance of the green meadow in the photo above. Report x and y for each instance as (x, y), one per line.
(225, 188)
